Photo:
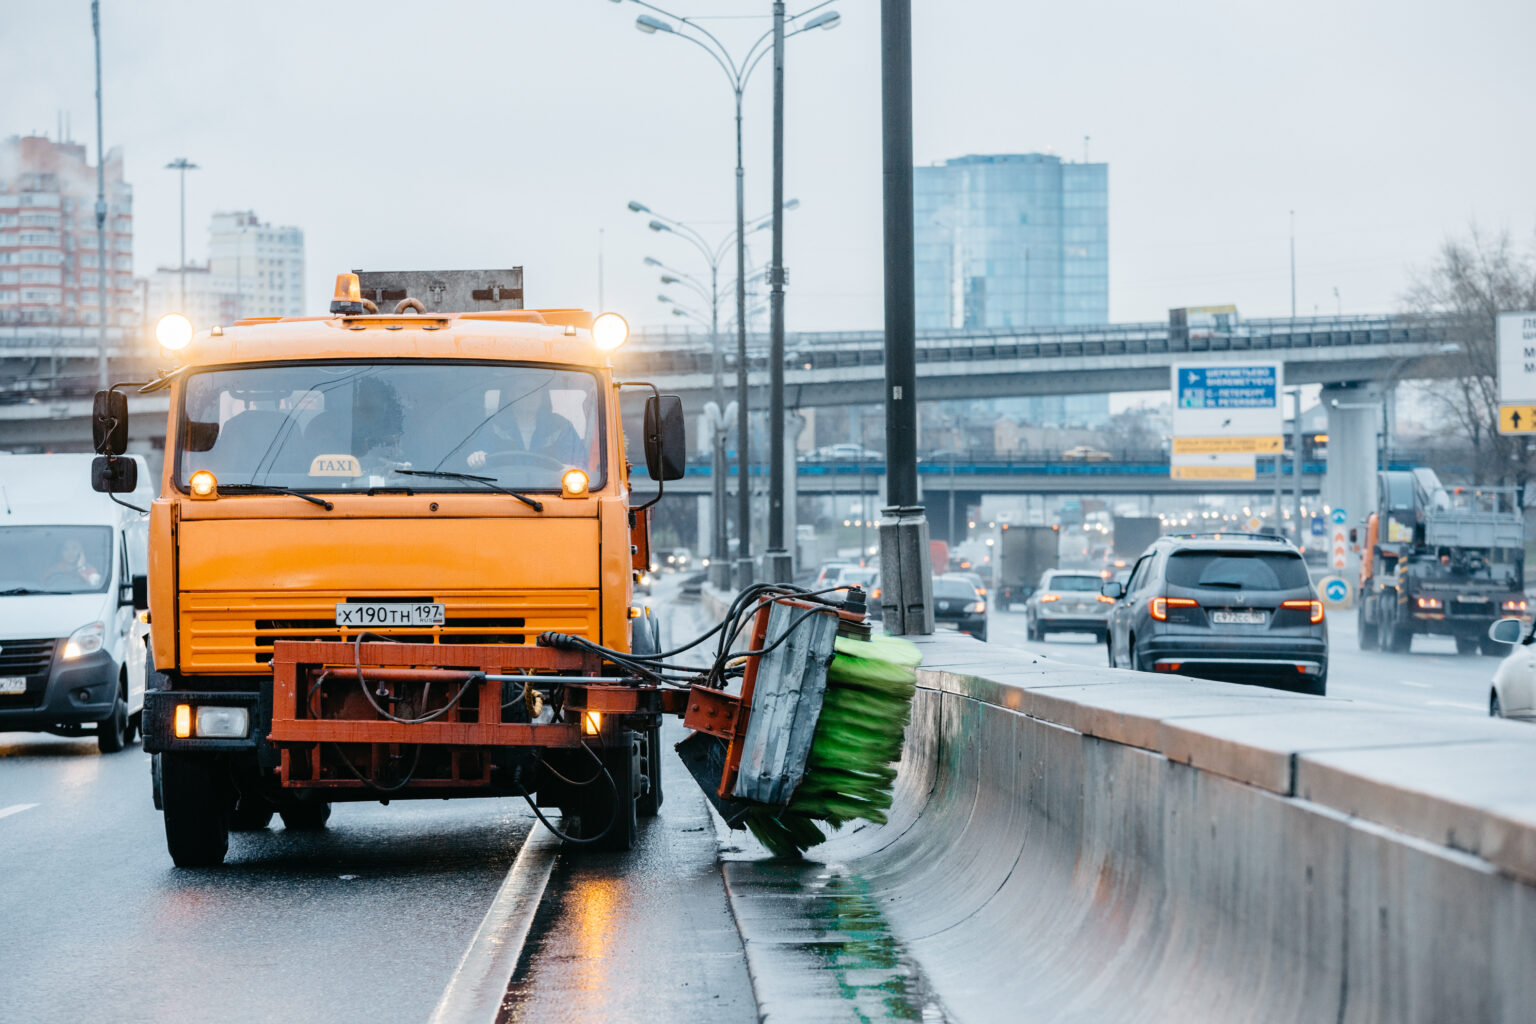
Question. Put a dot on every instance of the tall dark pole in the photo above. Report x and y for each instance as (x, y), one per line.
(778, 565)
(905, 567)
(744, 567)
(182, 165)
(102, 372)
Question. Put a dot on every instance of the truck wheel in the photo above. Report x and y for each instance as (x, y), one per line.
(649, 803)
(1400, 639)
(597, 805)
(1367, 632)
(197, 801)
(113, 732)
(309, 816)
(1466, 645)
(1490, 647)
(250, 814)
(154, 781)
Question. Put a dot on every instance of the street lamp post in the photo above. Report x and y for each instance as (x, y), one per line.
(737, 73)
(714, 256)
(906, 579)
(182, 165)
(102, 372)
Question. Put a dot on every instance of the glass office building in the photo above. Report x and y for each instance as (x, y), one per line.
(1012, 240)
(1015, 240)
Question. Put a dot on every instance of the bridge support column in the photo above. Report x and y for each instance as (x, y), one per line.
(1354, 426)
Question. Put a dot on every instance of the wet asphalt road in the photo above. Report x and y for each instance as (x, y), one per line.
(364, 922)
(1431, 677)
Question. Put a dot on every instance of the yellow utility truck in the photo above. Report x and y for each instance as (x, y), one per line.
(365, 523)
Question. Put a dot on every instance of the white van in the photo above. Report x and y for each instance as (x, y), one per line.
(72, 648)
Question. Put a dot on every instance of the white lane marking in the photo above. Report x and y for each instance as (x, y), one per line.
(1453, 704)
(479, 983)
(1410, 682)
(15, 809)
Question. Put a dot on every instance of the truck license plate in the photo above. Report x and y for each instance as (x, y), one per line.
(13, 684)
(382, 613)
(1238, 618)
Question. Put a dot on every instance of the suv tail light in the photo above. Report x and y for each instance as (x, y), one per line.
(1314, 609)
(1160, 606)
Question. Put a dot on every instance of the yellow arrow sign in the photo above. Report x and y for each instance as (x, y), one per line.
(1228, 445)
(1517, 419)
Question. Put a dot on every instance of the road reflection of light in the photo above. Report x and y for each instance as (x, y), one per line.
(81, 772)
(592, 903)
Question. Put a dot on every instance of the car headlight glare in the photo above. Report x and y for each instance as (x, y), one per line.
(85, 640)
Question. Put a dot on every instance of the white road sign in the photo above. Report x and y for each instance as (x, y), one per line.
(1517, 358)
(1236, 406)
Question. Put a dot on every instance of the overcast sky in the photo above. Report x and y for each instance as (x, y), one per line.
(459, 133)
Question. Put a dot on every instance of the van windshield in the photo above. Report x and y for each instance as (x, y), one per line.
(54, 559)
(351, 426)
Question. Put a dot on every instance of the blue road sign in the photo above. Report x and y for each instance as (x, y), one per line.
(1318, 526)
(1227, 387)
(1339, 518)
(1335, 590)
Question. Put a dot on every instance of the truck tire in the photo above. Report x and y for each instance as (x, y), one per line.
(250, 814)
(1490, 647)
(649, 803)
(1400, 640)
(197, 798)
(597, 805)
(1368, 633)
(309, 816)
(114, 732)
(1466, 645)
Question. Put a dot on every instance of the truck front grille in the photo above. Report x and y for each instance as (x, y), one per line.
(236, 633)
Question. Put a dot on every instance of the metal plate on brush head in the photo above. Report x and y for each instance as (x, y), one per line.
(786, 702)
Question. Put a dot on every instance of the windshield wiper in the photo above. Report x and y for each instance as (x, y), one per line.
(18, 591)
(275, 489)
(489, 481)
(1228, 584)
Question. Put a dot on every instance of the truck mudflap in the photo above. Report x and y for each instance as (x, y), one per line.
(383, 715)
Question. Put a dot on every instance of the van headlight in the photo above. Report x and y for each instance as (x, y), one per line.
(85, 640)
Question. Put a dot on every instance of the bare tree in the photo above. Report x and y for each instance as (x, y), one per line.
(1471, 281)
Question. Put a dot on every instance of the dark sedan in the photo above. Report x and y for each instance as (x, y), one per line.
(957, 602)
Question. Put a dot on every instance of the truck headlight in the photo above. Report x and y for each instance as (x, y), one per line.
(85, 640)
(217, 723)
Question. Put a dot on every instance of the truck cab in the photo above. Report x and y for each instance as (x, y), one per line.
(453, 481)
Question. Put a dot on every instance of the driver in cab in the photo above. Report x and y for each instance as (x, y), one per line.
(528, 431)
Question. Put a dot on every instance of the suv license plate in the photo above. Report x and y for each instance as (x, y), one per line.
(382, 613)
(1238, 618)
(13, 684)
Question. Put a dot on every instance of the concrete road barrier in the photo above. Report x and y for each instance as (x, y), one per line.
(1094, 844)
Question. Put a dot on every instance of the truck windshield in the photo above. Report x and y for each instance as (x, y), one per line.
(349, 426)
(54, 559)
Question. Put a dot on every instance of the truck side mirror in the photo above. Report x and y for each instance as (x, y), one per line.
(140, 593)
(109, 423)
(113, 475)
(1114, 589)
(666, 439)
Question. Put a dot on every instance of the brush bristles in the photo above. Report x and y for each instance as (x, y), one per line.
(851, 767)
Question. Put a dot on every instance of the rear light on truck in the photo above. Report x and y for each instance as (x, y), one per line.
(1314, 609)
(591, 723)
(1160, 606)
(1514, 606)
(1428, 602)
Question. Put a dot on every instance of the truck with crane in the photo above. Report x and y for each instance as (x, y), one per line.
(1439, 561)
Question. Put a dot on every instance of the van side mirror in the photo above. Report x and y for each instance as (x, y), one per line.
(1113, 588)
(666, 438)
(1507, 631)
(109, 423)
(141, 593)
(113, 475)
